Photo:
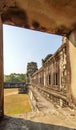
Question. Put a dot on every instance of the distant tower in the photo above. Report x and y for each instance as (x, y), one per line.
(31, 68)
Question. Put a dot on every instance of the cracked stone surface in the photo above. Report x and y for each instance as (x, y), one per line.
(12, 123)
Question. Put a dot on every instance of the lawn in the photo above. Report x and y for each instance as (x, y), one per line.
(15, 103)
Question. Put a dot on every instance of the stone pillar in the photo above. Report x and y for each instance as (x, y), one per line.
(72, 53)
(44, 78)
(1, 70)
(60, 75)
(61, 102)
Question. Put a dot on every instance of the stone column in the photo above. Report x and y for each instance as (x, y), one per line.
(44, 78)
(72, 53)
(1, 70)
(60, 74)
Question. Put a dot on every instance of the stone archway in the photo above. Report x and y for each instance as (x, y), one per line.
(56, 17)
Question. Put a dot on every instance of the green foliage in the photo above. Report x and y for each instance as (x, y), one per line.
(15, 77)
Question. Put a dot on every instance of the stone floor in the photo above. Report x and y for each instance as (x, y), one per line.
(13, 123)
(45, 116)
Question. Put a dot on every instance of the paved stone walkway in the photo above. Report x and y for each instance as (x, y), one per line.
(43, 118)
(12, 123)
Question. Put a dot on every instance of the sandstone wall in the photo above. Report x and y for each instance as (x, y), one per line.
(72, 53)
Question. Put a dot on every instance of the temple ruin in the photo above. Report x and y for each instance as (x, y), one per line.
(50, 16)
(31, 68)
(53, 79)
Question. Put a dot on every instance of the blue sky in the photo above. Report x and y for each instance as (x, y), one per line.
(22, 46)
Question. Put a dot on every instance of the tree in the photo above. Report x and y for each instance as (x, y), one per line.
(13, 77)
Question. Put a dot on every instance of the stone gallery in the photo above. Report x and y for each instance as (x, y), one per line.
(53, 79)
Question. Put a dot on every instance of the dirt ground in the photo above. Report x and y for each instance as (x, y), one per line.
(15, 103)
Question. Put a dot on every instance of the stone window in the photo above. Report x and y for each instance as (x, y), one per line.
(49, 79)
(56, 78)
(40, 80)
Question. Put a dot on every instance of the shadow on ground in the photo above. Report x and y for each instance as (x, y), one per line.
(11, 123)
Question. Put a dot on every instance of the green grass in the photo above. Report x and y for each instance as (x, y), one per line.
(16, 103)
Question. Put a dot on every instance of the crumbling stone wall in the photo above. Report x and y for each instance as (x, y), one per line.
(53, 78)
